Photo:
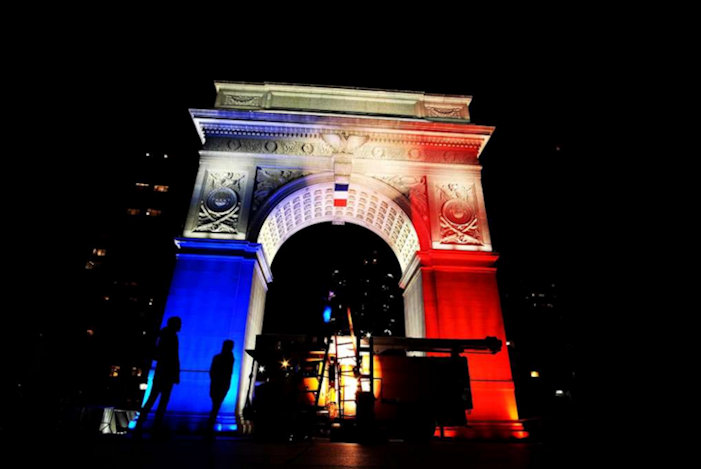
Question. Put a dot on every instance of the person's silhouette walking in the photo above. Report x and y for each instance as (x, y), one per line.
(166, 375)
(220, 380)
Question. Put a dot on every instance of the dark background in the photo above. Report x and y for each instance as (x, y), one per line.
(76, 129)
(76, 107)
(75, 112)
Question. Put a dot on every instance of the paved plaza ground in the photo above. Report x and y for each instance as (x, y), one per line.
(125, 451)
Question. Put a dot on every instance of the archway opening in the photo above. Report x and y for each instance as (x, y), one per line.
(322, 270)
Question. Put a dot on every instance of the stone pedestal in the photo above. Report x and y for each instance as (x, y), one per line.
(218, 290)
(461, 300)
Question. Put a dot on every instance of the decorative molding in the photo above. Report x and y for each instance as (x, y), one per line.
(279, 146)
(268, 180)
(270, 146)
(458, 216)
(329, 99)
(274, 130)
(464, 153)
(220, 204)
(307, 148)
(373, 146)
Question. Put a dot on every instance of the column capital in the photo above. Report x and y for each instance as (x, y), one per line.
(448, 260)
(457, 260)
(226, 247)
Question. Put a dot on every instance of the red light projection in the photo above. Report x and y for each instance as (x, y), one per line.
(461, 299)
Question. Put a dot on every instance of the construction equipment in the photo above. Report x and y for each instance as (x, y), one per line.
(349, 387)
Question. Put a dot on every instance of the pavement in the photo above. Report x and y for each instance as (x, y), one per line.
(187, 451)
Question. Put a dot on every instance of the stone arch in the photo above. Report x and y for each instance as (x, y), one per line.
(372, 204)
(271, 157)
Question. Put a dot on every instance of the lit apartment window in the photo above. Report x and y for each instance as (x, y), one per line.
(114, 371)
(153, 212)
(99, 252)
(90, 265)
(142, 185)
(133, 211)
(159, 188)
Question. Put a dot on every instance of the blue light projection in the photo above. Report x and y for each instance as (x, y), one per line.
(327, 314)
(210, 292)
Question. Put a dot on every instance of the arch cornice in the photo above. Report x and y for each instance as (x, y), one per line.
(301, 134)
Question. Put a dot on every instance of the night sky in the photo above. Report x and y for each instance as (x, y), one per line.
(77, 114)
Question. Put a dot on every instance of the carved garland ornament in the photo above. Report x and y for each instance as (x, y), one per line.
(221, 203)
(459, 223)
(243, 101)
(466, 154)
(436, 110)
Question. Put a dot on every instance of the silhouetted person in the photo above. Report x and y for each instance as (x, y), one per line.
(220, 380)
(166, 375)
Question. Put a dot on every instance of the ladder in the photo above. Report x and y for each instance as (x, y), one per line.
(320, 376)
(341, 374)
(365, 378)
(365, 344)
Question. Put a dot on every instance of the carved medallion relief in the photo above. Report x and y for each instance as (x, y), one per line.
(220, 204)
(458, 216)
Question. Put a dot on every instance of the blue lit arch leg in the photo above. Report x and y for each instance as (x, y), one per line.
(218, 290)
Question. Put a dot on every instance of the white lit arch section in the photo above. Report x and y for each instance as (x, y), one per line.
(366, 207)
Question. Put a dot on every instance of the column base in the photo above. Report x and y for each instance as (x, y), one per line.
(485, 430)
(192, 423)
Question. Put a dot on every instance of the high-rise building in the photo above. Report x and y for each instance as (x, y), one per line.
(371, 290)
(380, 309)
(127, 269)
(541, 344)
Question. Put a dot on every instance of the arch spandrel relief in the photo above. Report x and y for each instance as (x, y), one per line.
(220, 203)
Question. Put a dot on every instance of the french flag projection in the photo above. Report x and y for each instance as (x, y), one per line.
(340, 194)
